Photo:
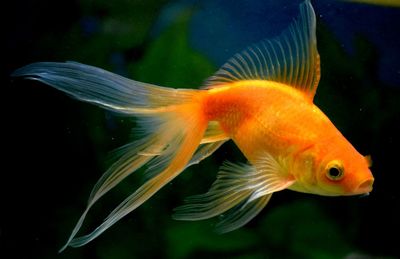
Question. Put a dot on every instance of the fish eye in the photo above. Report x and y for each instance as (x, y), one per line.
(334, 171)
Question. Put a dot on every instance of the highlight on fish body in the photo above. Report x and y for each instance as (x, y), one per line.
(261, 99)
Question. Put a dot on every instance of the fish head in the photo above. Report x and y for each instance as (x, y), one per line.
(342, 170)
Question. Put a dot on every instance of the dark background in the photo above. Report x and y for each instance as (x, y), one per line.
(55, 148)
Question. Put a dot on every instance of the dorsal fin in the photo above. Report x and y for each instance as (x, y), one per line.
(291, 58)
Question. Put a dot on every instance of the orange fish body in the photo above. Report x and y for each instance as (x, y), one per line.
(264, 116)
(261, 116)
(262, 99)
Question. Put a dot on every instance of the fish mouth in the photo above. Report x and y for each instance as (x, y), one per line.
(367, 184)
(364, 188)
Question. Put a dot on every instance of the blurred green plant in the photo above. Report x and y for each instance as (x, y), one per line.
(302, 229)
(170, 61)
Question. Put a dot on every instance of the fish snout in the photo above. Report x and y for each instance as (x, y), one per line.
(365, 186)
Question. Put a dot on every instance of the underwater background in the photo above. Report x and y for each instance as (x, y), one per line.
(56, 148)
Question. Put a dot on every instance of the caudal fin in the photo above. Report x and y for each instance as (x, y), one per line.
(178, 135)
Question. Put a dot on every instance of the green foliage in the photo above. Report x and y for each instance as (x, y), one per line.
(104, 28)
(302, 229)
(170, 60)
(125, 24)
(186, 239)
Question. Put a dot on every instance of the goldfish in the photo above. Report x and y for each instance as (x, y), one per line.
(261, 99)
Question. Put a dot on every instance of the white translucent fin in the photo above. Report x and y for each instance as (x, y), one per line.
(227, 191)
(129, 162)
(176, 132)
(168, 150)
(213, 138)
(204, 151)
(103, 88)
(214, 133)
(241, 214)
(244, 186)
(109, 180)
(291, 58)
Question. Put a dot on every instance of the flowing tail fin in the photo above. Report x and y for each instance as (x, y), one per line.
(178, 134)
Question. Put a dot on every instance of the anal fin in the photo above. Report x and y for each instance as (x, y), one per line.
(241, 190)
(241, 214)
